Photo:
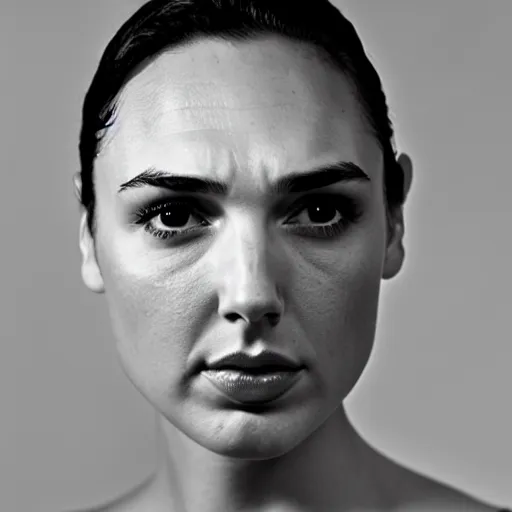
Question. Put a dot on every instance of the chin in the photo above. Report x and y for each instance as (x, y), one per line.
(250, 433)
(251, 440)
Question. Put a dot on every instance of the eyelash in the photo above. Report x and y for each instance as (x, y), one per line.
(348, 209)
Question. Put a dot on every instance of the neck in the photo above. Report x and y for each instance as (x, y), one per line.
(333, 469)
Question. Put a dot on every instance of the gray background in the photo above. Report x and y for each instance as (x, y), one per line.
(437, 392)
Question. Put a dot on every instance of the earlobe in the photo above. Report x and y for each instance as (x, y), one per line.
(91, 274)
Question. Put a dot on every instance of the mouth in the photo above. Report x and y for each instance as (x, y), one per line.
(246, 379)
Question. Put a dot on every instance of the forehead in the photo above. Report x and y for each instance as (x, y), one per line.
(268, 105)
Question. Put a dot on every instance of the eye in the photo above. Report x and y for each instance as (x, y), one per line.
(319, 211)
(173, 218)
(323, 215)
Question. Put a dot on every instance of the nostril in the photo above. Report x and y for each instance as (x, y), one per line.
(273, 318)
(232, 317)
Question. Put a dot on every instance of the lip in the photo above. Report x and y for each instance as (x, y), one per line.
(243, 387)
(265, 361)
(253, 379)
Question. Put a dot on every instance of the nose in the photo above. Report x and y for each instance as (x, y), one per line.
(249, 273)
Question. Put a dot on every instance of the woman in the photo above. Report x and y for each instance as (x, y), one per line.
(216, 137)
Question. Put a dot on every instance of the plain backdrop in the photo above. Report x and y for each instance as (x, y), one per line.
(436, 395)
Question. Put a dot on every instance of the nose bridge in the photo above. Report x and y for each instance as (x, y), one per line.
(249, 287)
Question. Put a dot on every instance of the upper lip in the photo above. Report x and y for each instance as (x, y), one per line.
(241, 360)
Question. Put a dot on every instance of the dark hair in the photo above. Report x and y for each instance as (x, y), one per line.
(162, 24)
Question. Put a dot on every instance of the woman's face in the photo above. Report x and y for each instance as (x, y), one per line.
(292, 272)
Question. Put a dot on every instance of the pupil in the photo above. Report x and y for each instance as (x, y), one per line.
(322, 214)
(175, 217)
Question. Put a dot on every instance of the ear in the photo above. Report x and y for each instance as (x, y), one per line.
(395, 252)
(91, 274)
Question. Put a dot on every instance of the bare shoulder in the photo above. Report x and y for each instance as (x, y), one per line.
(420, 493)
(448, 501)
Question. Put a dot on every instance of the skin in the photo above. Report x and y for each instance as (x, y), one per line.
(247, 114)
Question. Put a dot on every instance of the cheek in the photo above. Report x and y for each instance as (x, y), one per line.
(155, 318)
(339, 312)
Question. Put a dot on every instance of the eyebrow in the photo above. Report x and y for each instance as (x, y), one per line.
(292, 183)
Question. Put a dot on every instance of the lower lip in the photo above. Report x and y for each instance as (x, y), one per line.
(251, 388)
